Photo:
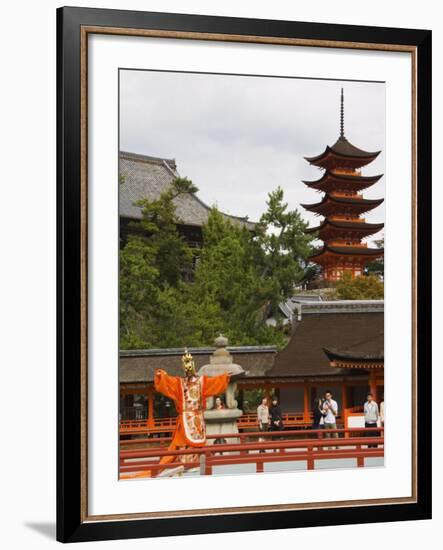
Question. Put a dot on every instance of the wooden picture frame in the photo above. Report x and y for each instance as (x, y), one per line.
(73, 27)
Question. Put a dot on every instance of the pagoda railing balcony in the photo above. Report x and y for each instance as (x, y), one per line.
(346, 171)
(345, 194)
(354, 218)
(339, 242)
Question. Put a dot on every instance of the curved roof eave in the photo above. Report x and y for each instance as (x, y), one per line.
(349, 177)
(349, 225)
(333, 353)
(349, 251)
(358, 155)
(343, 200)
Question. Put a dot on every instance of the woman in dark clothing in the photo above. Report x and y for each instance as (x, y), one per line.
(275, 415)
(318, 414)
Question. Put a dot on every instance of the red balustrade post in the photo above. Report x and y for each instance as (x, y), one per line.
(310, 457)
(345, 421)
(360, 459)
(242, 438)
(208, 465)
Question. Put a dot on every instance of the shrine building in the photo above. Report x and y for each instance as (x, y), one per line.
(143, 177)
(335, 346)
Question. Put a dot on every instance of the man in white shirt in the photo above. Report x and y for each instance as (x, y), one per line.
(263, 415)
(330, 409)
(263, 418)
(382, 413)
(372, 415)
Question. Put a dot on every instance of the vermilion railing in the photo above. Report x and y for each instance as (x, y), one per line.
(249, 420)
(165, 425)
(318, 447)
(156, 425)
(243, 437)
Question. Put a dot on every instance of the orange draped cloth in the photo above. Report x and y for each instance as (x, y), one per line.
(189, 395)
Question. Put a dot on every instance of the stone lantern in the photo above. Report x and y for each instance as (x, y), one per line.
(222, 421)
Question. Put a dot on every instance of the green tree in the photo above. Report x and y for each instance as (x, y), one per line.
(159, 223)
(240, 277)
(151, 264)
(359, 288)
(311, 273)
(228, 278)
(377, 267)
(248, 273)
(284, 247)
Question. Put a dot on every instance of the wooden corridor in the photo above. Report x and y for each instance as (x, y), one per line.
(313, 446)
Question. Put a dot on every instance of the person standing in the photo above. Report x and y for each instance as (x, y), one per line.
(275, 416)
(382, 414)
(330, 410)
(372, 416)
(190, 394)
(263, 418)
(318, 415)
(219, 406)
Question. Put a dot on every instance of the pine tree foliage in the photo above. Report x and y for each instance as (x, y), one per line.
(239, 276)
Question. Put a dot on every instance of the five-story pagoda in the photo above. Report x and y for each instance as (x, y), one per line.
(342, 206)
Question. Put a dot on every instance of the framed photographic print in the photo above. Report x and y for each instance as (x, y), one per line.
(244, 240)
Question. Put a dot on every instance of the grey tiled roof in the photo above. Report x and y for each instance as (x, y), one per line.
(352, 326)
(148, 177)
(140, 365)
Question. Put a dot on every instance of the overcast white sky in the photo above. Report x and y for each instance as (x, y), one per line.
(239, 137)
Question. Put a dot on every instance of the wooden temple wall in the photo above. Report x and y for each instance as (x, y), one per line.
(294, 396)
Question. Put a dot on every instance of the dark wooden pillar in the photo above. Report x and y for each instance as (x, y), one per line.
(373, 384)
(268, 394)
(351, 396)
(150, 397)
(306, 402)
(344, 395)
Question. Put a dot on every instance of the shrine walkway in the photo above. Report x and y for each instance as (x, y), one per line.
(299, 465)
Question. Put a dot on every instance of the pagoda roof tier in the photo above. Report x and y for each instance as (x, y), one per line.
(331, 181)
(333, 251)
(332, 204)
(352, 228)
(344, 154)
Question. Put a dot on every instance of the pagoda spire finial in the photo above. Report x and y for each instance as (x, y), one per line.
(342, 115)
